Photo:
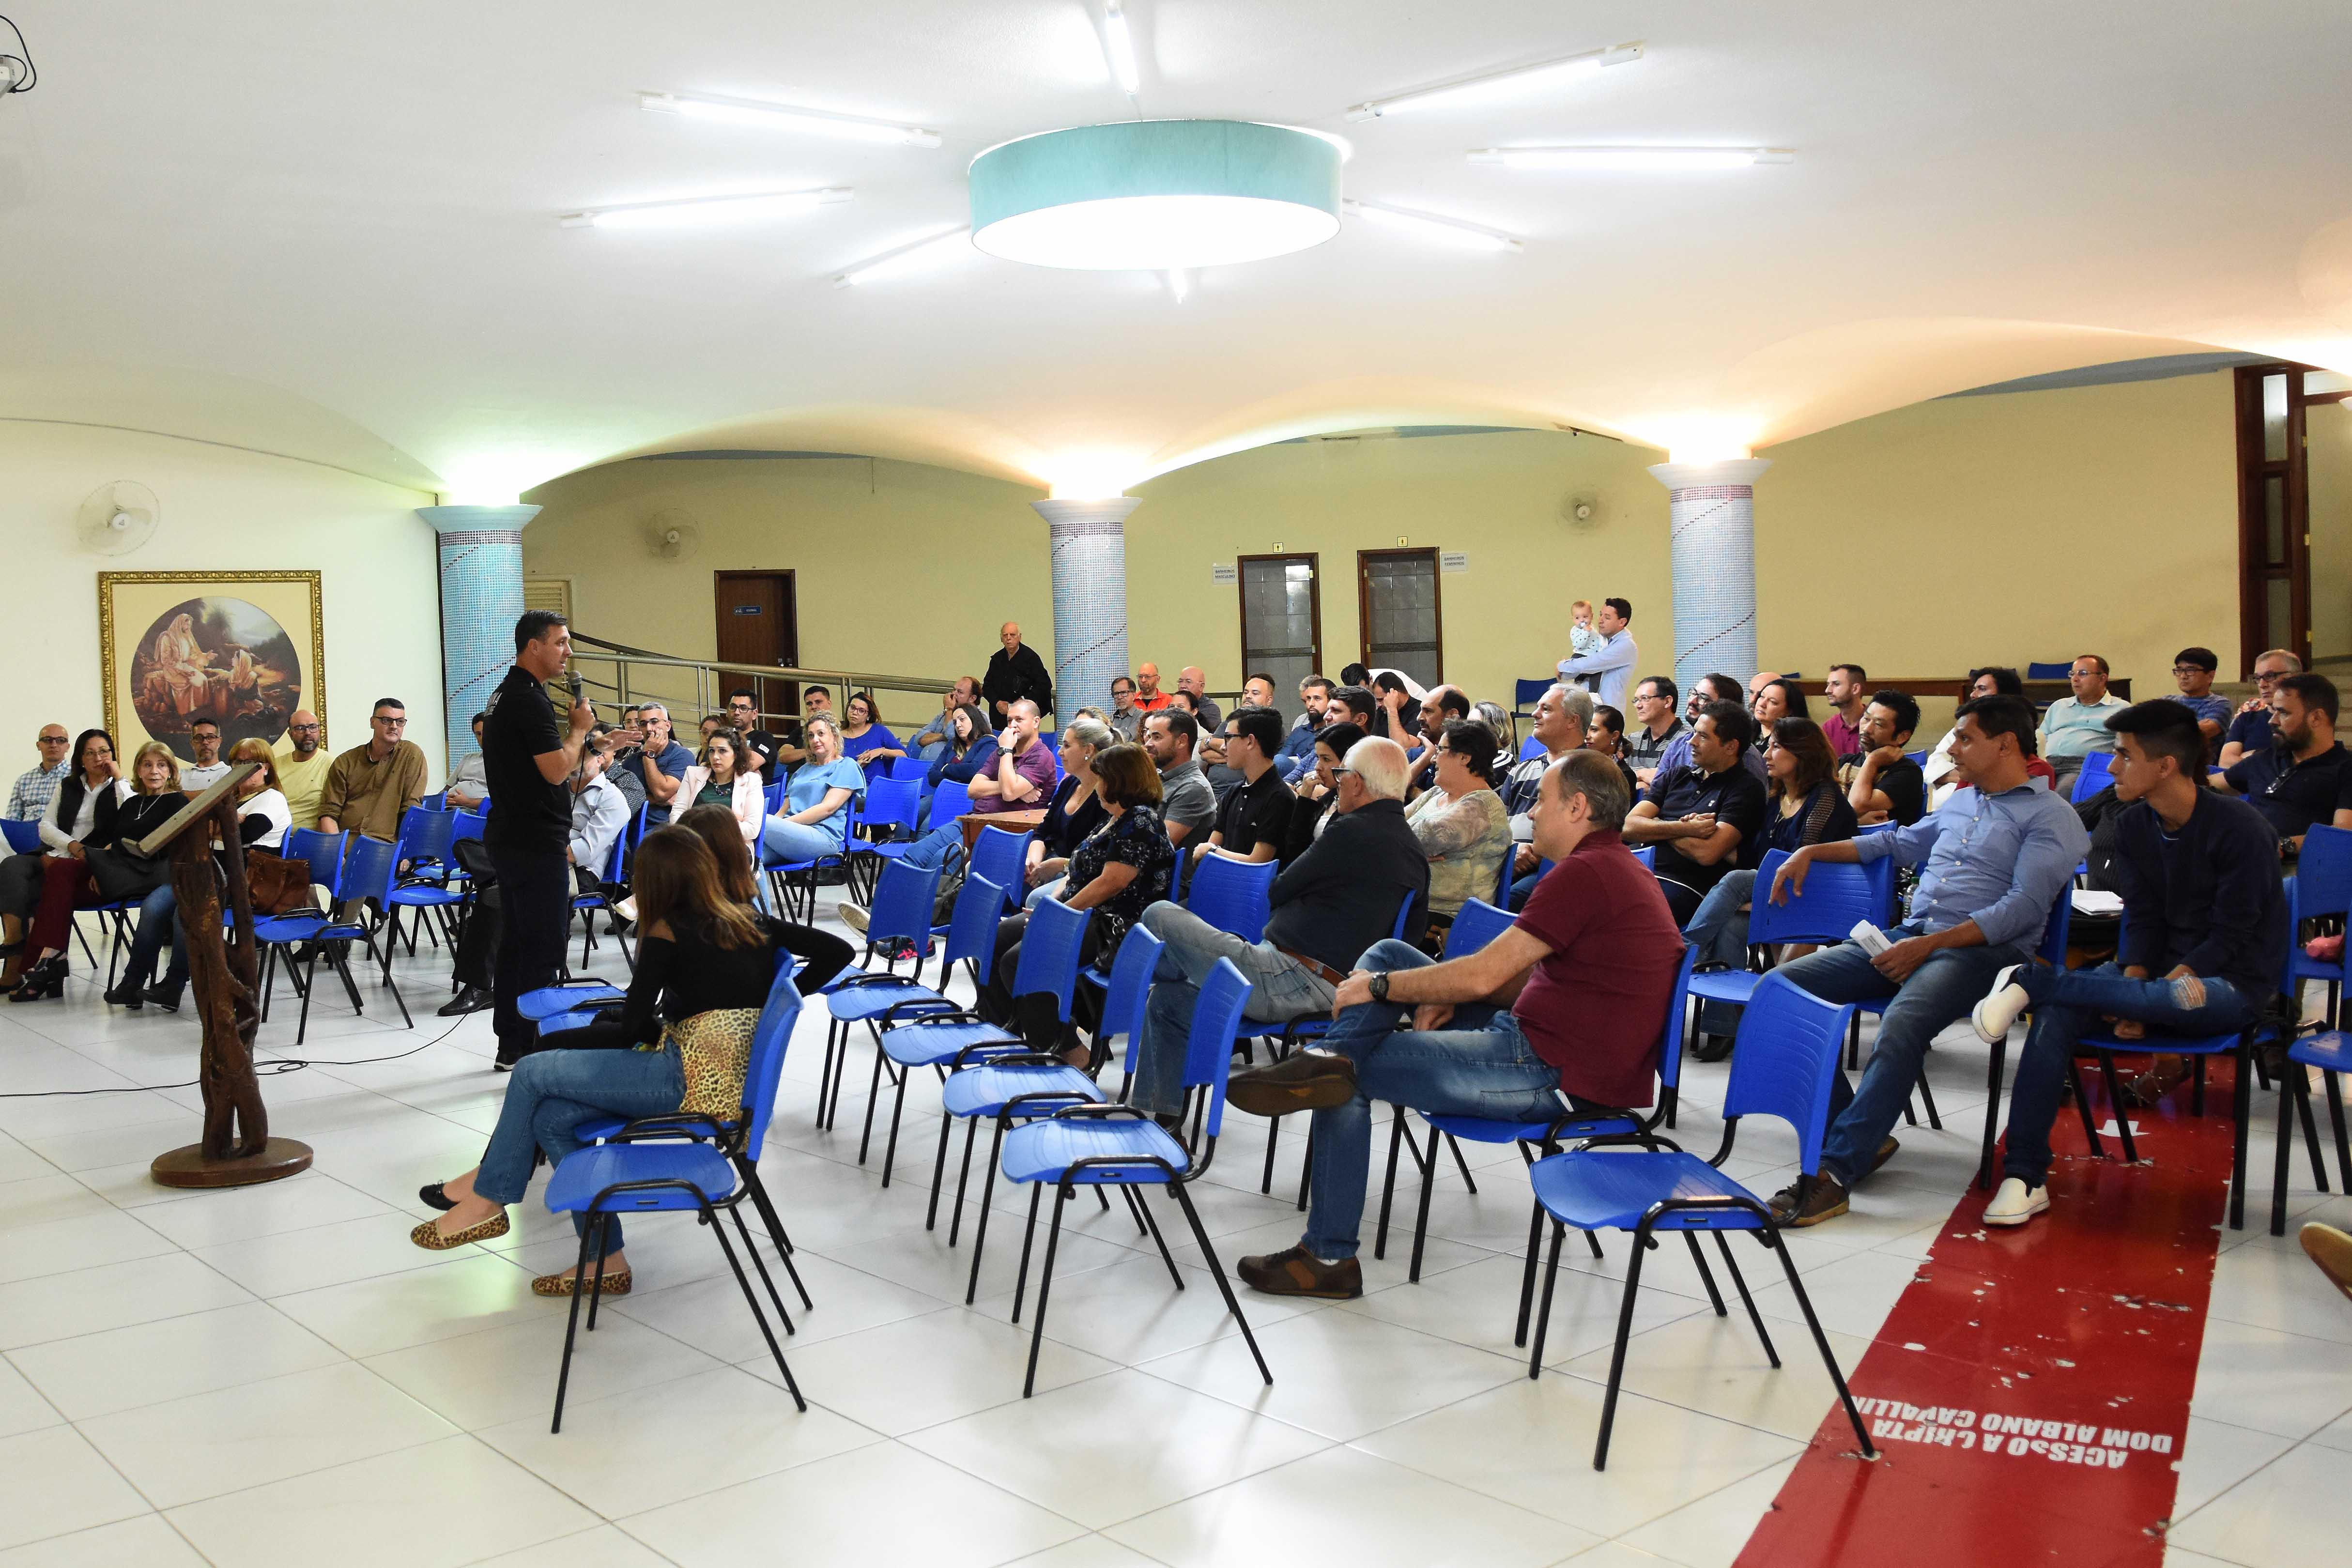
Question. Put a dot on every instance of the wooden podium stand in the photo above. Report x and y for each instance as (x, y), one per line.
(223, 973)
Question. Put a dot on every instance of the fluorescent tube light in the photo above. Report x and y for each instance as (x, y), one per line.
(1119, 49)
(781, 116)
(1631, 157)
(1459, 231)
(1546, 73)
(931, 251)
(706, 209)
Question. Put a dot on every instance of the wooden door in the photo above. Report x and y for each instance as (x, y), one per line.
(757, 624)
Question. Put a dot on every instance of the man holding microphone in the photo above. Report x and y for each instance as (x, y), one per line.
(528, 762)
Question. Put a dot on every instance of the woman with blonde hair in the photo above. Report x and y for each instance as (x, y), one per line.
(701, 951)
(1075, 810)
(263, 818)
(815, 821)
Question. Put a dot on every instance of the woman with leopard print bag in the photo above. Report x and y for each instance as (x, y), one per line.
(680, 1042)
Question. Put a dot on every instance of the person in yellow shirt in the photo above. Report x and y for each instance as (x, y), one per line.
(302, 771)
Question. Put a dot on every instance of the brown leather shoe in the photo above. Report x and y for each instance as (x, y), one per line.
(1302, 1080)
(1886, 1149)
(1824, 1199)
(1298, 1272)
(2331, 1250)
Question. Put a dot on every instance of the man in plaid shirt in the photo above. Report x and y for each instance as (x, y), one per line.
(34, 789)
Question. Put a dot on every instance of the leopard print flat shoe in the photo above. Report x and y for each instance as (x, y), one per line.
(561, 1284)
(432, 1240)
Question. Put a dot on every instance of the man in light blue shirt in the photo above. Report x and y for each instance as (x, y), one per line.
(1614, 663)
(1996, 859)
(2073, 727)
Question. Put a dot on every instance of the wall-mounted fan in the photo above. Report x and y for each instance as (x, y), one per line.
(672, 536)
(117, 519)
(1585, 509)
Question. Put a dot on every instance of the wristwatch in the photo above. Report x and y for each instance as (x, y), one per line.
(1380, 986)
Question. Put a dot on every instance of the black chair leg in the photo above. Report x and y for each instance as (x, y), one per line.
(2241, 1107)
(980, 1227)
(1543, 1312)
(1273, 1136)
(1993, 1076)
(1928, 1098)
(1045, 1284)
(873, 1093)
(1306, 1166)
(767, 1216)
(939, 1172)
(1152, 1225)
(1216, 1272)
(2295, 1069)
(898, 1111)
(1822, 1342)
(1421, 1217)
(1705, 1275)
(752, 1301)
(1617, 1356)
(2082, 1109)
(1528, 1279)
(963, 1178)
(2116, 1103)
(2336, 1123)
(1388, 1186)
(572, 1328)
(2284, 1151)
(1021, 1280)
(1462, 1165)
(1738, 1280)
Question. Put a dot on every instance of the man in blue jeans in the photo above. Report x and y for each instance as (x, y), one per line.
(1995, 860)
(2203, 909)
(1562, 1011)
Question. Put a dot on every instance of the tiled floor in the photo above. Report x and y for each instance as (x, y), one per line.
(275, 1375)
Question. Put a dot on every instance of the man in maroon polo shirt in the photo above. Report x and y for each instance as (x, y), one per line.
(1562, 1010)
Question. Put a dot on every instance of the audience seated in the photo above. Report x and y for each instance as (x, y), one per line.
(1357, 705)
(932, 743)
(600, 815)
(1121, 866)
(1805, 806)
(468, 786)
(1567, 1005)
(2074, 727)
(1015, 674)
(864, 739)
(1612, 664)
(1994, 859)
(370, 789)
(204, 739)
(2193, 668)
(1707, 689)
(31, 794)
(1310, 807)
(1332, 904)
(1776, 700)
(1562, 715)
(1706, 819)
(1882, 783)
(1608, 736)
(2303, 780)
(815, 821)
(1297, 757)
(1257, 691)
(1657, 726)
(155, 799)
(1461, 822)
(1396, 715)
(1077, 809)
(2204, 935)
(723, 776)
(1847, 693)
(1187, 806)
(39, 892)
(970, 751)
(2250, 730)
(1148, 695)
(1126, 720)
(1254, 817)
(1991, 680)
(1022, 779)
(1442, 706)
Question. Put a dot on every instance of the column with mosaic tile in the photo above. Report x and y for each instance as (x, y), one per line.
(481, 599)
(1713, 510)
(1090, 555)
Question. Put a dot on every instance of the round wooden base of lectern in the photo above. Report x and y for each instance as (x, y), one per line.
(187, 1167)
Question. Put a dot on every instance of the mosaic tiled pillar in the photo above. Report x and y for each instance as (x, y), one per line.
(1089, 552)
(1712, 507)
(481, 599)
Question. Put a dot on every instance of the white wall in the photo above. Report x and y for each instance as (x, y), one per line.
(222, 509)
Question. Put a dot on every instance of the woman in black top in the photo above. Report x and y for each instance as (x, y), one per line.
(698, 951)
(1124, 867)
(1312, 798)
(1077, 809)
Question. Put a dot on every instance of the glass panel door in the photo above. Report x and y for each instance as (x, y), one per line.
(1282, 624)
(1397, 600)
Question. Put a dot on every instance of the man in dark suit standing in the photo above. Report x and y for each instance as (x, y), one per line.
(1014, 672)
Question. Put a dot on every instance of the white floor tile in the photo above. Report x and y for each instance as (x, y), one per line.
(146, 1364)
(882, 1504)
(509, 1373)
(88, 1241)
(244, 1214)
(1344, 1505)
(22, 1407)
(2269, 1381)
(450, 1502)
(58, 1483)
(2280, 1517)
(1714, 1366)
(231, 1439)
(710, 1313)
(1712, 1532)
(88, 1301)
(1130, 1312)
(919, 1372)
(606, 1546)
(1087, 1552)
(326, 1255)
(2214, 1457)
(143, 1542)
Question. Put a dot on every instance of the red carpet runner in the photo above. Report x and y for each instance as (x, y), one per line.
(2030, 1391)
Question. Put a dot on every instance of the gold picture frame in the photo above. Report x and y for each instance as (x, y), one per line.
(242, 649)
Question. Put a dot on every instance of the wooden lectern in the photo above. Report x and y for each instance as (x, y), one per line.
(223, 974)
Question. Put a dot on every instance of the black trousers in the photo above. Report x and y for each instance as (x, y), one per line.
(1036, 1017)
(534, 893)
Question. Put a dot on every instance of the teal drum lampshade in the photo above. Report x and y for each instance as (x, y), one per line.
(1154, 194)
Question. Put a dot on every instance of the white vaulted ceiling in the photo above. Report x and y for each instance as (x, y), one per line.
(332, 230)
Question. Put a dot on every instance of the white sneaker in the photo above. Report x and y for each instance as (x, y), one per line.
(1998, 1010)
(851, 916)
(2015, 1203)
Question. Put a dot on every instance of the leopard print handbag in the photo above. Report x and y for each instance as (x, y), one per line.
(715, 1048)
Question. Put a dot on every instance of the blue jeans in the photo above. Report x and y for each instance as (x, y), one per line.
(790, 843)
(1044, 892)
(941, 849)
(1939, 994)
(1279, 991)
(1719, 932)
(1479, 1065)
(553, 1092)
(2066, 1002)
(158, 918)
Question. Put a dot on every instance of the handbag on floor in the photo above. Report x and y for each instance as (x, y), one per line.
(279, 886)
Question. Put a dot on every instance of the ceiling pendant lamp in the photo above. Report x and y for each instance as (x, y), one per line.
(1156, 194)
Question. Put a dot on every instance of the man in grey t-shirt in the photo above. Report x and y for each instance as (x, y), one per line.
(1187, 804)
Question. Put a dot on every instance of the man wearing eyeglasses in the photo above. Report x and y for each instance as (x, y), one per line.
(2252, 729)
(2193, 668)
(743, 713)
(37, 787)
(302, 767)
(369, 787)
(2073, 727)
(2298, 783)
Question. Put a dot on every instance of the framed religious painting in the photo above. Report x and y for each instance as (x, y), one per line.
(244, 649)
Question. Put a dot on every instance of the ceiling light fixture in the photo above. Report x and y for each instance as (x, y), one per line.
(1180, 283)
(707, 209)
(933, 250)
(1153, 196)
(1636, 158)
(1119, 49)
(781, 117)
(1546, 73)
(1460, 231)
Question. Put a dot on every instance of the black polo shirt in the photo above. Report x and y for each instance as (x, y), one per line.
(527, 813)
(763, 745)
(1734, 796)
(1254, 814)
(1905, 786)
(2295, 796)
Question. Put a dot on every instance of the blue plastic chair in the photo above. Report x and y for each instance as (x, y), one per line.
(1647, 854)
(890, 805)
(1530, 748)
(1234, 896)
(2098, 773)
(913, 770)
(2331, 1053)
(425, 841)
(2035, 671)
(1834, 898)
(1787, 1057)
(683, 1162)
(950, 800)
(2321, 886)
(778, 874)
(901, 912)
(614, 874)
(1526, 694)
(877, 1004)
(365, 871)
(1085, 1145)
(23, 837)
(1002, 855)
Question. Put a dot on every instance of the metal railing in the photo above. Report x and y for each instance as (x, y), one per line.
(615, 674)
